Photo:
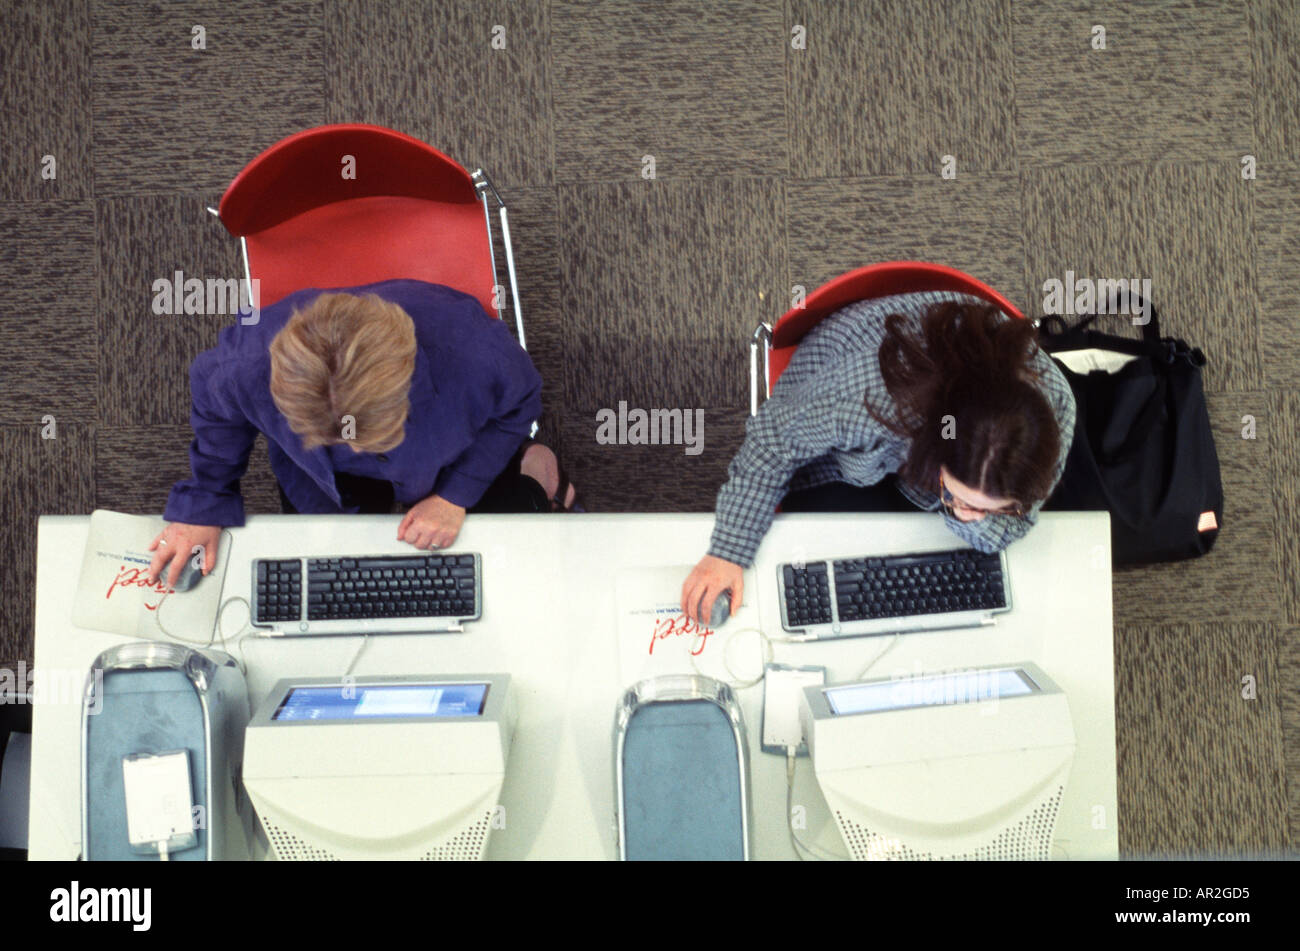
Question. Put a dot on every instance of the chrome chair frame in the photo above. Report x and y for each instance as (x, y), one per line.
(762, 338)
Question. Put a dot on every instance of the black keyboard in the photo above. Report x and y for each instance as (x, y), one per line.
(848, 590)
(366, 588)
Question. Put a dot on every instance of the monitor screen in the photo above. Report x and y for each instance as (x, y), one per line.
(360, 701)
(941, 689)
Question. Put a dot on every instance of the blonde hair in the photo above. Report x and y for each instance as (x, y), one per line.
(340, 356)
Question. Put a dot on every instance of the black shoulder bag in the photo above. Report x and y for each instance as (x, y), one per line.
(1142, 448)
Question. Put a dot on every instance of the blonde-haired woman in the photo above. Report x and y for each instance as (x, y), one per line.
(400, 391)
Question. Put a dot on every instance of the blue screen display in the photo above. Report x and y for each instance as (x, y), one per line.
(359, 701)
(964, 687)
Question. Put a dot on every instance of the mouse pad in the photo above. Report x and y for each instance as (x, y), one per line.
(656, 638)
(114, 593)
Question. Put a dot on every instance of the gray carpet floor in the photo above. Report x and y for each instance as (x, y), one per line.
(774, 166)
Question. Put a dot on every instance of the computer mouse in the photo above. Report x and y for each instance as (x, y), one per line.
(721, 609)
(190, 576)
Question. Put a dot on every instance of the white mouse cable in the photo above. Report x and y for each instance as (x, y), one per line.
(167, 593)
(247, 631)
(217, 632)
(361, 649)
(736, 683)
(875, 660)
(766, 640)
(158, 619)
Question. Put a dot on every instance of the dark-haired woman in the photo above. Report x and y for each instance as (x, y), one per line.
(936, 401)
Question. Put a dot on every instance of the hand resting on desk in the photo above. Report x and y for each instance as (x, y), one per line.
(433, 523)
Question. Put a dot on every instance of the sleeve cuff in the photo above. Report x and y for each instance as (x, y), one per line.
(459, 488)
(192, 506)
(733, 548)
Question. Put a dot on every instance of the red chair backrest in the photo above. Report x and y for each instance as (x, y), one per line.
(305, 171)
(874, 280)
(409, 212)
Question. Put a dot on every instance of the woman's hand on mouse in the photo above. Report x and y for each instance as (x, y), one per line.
(710, 578)
(181, 539)
(433, 523)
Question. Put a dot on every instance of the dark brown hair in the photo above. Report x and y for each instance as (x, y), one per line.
(970, 363)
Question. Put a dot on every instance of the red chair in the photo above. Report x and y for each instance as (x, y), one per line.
(344, 205)
(875, 280)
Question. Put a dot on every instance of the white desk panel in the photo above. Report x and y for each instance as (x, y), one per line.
(549, 619)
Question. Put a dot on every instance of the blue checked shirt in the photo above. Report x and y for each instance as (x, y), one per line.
(815, 429)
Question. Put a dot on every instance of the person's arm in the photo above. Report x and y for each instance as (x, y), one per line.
(506, 417)
(789, 431)
(814, 408)
(223, 441)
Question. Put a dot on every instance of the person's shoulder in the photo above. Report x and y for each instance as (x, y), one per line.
(458, 337)
(244, 346)
(450, 325)
(421, 300)
(864, 320)
(1054, 383)
(438, 312)
(436, 308)
(852, 335)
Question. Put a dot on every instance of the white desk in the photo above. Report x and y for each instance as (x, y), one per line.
(549, 620)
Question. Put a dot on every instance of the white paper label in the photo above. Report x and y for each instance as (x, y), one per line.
(159, 802)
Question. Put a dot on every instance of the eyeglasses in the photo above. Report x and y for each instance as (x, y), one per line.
(952, 503)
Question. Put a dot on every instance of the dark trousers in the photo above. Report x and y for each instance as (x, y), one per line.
(510, 492)
(842, 497)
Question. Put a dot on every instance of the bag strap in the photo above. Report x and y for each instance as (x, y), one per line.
(1150, 330)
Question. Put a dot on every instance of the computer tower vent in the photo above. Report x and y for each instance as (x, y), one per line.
(289, 848)
(1027, 840)
(466, 846)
